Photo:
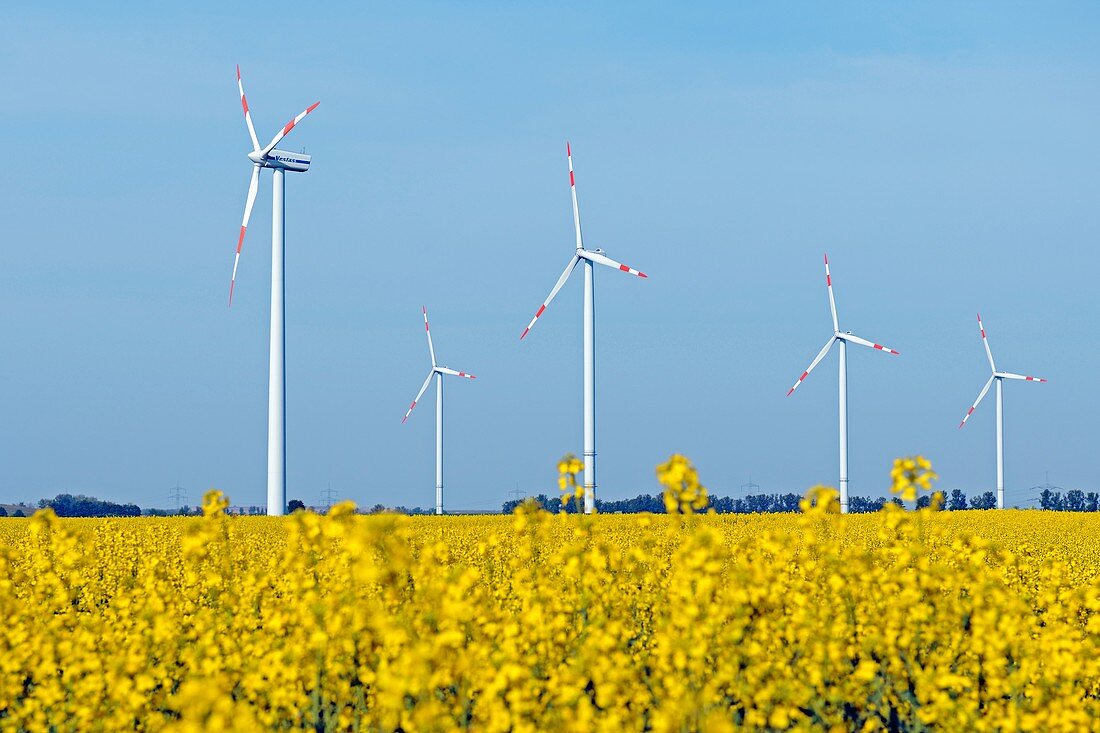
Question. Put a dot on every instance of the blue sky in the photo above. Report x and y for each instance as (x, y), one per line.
(945, 155)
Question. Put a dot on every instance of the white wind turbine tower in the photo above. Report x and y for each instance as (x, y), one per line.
(437, 372)
(997, 377)
(590, 257)
(841, 338)
(279, 161)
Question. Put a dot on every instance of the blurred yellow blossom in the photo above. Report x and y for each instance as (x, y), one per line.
(909, 476)
(682, 491)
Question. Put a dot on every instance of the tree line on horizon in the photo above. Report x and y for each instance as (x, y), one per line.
(1074, 500)
(954, 500)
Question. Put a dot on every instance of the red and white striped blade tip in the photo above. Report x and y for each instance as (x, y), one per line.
(539, 312)
(967, 416)
(798, 383)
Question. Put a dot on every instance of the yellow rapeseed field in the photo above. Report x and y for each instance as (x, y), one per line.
(972, 620)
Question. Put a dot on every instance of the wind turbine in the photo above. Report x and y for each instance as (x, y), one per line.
(278, 161)
(841, 338)
(997, 377)
(437, 372)
(590, 257)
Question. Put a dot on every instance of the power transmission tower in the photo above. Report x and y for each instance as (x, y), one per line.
(517, 494)
(749, 487)
(177, 492)
(329, 494)
(1044, 487)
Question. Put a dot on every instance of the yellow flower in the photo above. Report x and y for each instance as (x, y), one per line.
(820, 500)
(682, 491)
(911, 475)
(898, 620)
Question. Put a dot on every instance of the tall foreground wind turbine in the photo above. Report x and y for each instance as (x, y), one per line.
(997, 377)
(279, 161)
(589, 257)
(841, 338)
(437, 372)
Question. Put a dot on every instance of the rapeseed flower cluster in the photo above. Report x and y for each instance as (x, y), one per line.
(683, 494)
(534, 622)
(910, 476)
(571, 489)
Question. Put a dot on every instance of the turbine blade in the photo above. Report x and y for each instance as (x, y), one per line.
(985, 343)
(445, 370)
(815, 362)
(603, 260)
(252, 186)
(573, 192)
(431, 349)
(247, 116)
(832, 300)
(1010, 375)
(557, 286)
(865, 342)
(975, 405)
(419, 394)
(287, 128)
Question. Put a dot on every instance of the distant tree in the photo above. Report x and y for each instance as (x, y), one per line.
(923, 502)
(1091, 502)
(3, 512)
(987, 500)
(897, 501)
(295, 505)
(721, 504)
(756, 504)
(1075, 500)
(864, 504)
(1057, 503)
(67, 505)
(18, 513)
(957, 500)
(1046, 499)
(789, 502)
(510, 506)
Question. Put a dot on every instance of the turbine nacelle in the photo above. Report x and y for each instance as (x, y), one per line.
(281, 159)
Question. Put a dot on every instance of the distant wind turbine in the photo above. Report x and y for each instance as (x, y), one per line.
(589, 257)
(437, 372)
(279, 161)
(842, 339)
(997, 377)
